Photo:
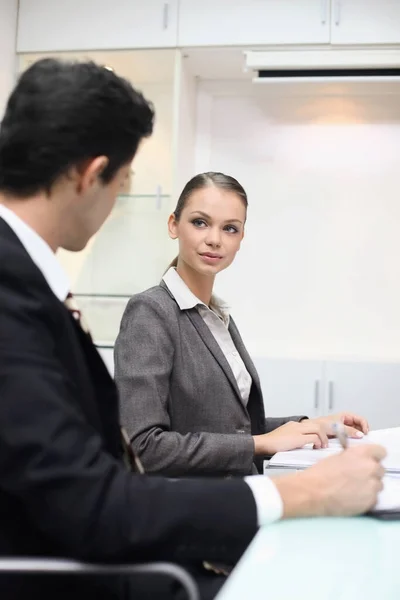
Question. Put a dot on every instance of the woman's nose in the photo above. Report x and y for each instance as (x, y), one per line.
(213, 238)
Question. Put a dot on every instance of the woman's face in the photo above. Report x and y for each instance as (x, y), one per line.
(210, 229)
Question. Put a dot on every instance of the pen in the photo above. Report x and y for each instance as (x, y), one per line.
(340, 432)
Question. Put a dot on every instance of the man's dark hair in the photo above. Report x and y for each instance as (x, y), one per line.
(63, 113)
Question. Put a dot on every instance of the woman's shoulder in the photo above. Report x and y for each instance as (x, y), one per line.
(157, 297)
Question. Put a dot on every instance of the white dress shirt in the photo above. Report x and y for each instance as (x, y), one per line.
(40, 252)
(216, 316)
(268, 501)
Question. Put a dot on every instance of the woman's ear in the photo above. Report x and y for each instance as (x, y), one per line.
(172, 227)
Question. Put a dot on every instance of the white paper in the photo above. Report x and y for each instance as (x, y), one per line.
(389, 497)
(307, 456)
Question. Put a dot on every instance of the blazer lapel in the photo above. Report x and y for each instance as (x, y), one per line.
(245, 356)
(211, 343)
(214, 348)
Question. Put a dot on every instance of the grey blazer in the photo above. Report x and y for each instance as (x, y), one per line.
(180, 402)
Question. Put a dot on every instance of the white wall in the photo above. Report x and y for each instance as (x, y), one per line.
(318, 274)
(8, 32)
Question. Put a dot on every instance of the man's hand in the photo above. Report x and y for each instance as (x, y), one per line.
(356, 426)
(342, 485)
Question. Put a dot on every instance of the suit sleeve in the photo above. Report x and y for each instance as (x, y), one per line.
(144, 356)
(75, 495)
(272, 423)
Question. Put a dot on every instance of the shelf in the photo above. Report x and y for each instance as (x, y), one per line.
(103, 314)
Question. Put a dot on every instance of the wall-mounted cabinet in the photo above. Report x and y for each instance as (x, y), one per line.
(365, 22)
(282, 22)
(238, 22)
(46, 25)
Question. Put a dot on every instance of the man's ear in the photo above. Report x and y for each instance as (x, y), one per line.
(88, 173)
(172, 227)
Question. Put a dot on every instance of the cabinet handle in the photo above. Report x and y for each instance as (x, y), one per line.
(165, 15)
(316, 394)
(330, 395)
(324, 11)
(337, 12)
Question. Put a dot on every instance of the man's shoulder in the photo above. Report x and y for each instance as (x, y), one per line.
(15, 263)
(23, 289)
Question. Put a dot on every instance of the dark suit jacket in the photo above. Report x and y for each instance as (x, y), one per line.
(180, 401)
(63, 488)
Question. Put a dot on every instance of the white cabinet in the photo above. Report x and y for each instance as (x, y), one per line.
(365, 22)
(369, 389)
(316, 388)
(290, 387)
(47, 25)
(237, 22)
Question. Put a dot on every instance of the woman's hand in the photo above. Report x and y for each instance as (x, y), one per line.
(291, 435)
(356, 426)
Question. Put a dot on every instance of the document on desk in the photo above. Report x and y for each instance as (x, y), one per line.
(307, 456)
(389, 498)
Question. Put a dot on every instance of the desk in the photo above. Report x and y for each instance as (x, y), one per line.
(327, 559)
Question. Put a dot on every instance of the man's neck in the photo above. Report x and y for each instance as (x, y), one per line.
(38, 213)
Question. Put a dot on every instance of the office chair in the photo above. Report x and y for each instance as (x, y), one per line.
(76, 568)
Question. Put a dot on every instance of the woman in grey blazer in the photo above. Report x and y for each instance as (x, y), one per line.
(191, 398)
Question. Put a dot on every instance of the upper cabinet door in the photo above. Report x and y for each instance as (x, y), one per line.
(250, 22)
(365, 22)
(49, 25)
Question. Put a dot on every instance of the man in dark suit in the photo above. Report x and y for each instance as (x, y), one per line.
(67, 141)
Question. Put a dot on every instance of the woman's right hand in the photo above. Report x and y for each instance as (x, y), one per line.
(290, 436)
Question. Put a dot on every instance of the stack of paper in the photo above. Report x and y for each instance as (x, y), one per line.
(389, 498)
(306, 457)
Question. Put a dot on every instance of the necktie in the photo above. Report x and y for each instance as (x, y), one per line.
(75, 311)
(131, 460)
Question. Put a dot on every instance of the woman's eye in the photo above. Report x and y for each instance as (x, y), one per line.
(199, 223)
(231, 229)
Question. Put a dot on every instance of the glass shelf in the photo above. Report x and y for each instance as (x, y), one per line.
(103, 313)
(128, 255)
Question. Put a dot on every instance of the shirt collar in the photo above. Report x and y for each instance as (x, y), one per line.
(40, 252)
(187, 300)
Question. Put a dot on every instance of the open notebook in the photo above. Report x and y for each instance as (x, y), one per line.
(389, 498)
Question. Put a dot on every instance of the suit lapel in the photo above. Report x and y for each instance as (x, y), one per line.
(245, 356)
(213, 347)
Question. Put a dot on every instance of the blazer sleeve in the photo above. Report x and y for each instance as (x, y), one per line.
(144, 356)
(79, 498)
(272, 423)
